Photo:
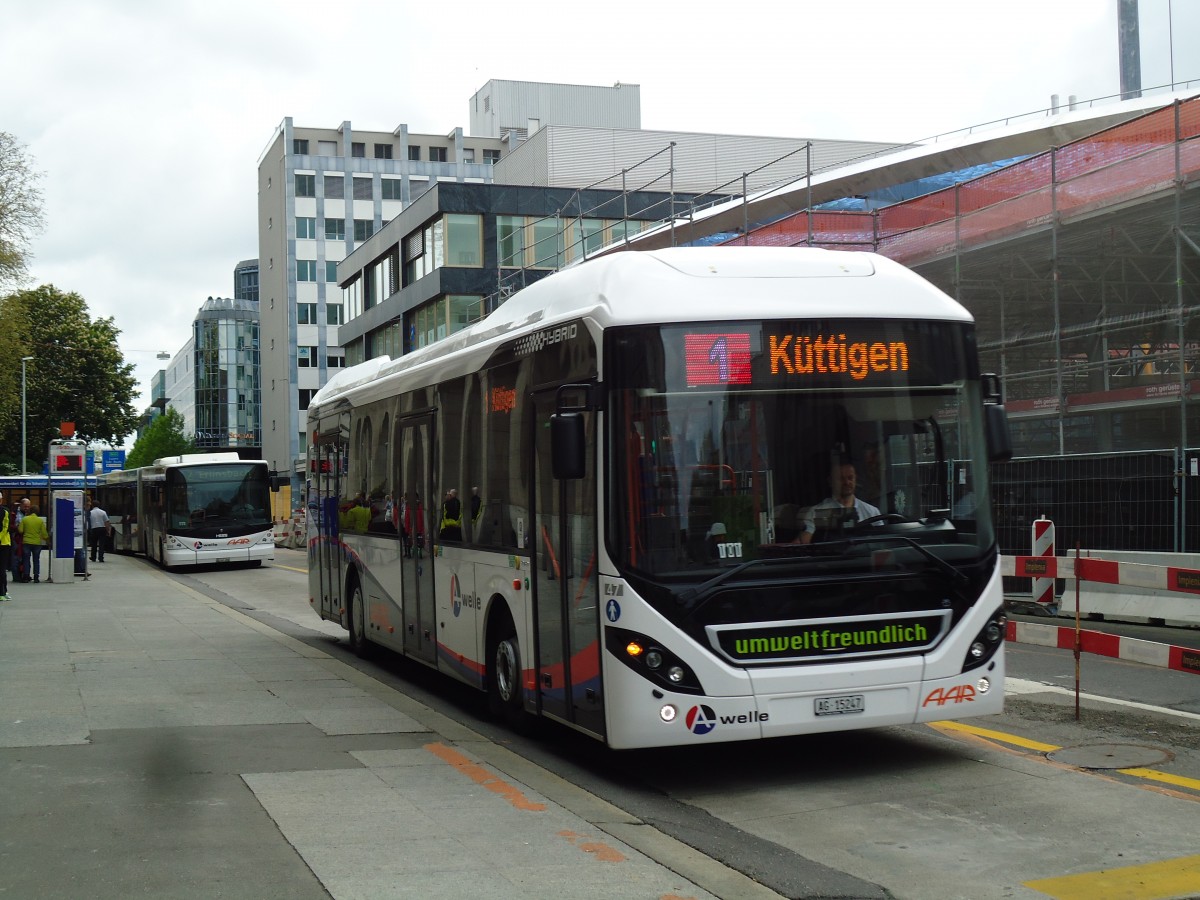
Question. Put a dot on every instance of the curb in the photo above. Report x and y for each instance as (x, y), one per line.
(1102, 643)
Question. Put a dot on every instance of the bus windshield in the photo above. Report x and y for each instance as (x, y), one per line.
(221, 499)
(847, 447)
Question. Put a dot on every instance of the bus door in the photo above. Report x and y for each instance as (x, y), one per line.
(566, 583)
(329, 478)
(418, 506)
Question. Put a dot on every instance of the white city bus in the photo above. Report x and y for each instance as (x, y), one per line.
(636, 445)
(191, 510)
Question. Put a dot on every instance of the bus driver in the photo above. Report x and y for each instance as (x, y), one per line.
(843, 479)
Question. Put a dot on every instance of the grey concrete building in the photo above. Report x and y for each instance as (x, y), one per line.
(324, 193)
(321, 193)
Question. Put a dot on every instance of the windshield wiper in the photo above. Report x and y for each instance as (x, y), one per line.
(946, 567)
(691, 596)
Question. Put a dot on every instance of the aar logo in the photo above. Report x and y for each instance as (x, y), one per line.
(960, 693)
(701, 719)
(455, 596)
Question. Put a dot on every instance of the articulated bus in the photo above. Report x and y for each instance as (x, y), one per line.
(607, 502)
(191, 510)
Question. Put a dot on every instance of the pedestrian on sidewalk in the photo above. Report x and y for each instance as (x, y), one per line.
(97, 531)
(34, 537)
(14, 532)
(5, 548)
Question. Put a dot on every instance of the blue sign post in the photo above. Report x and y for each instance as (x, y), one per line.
(112, 460)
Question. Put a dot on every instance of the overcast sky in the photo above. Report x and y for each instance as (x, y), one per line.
(147, 117)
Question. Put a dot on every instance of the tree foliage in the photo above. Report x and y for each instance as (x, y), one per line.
(164, 437)
(76, 374)
(20, 209)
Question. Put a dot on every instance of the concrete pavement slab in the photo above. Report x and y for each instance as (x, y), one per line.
(155, 742)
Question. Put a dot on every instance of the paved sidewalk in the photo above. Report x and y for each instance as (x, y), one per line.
(156, 743)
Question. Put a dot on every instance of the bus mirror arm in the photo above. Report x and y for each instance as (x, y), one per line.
(568, 437)
(586, 397)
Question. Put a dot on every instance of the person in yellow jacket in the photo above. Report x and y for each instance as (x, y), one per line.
(34, 537)
(451, 526)
(5, 549)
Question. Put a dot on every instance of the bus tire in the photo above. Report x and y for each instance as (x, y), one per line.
(358, 622)
(504, 673)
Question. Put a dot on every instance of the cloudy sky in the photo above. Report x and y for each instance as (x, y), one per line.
(147, 117)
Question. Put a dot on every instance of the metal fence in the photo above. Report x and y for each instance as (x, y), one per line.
(1147, 500)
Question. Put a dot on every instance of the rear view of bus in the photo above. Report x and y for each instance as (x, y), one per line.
(792, 507)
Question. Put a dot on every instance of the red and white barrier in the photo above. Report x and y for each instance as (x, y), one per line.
(291, 532)
(1103, 571)
(1168, 656)
(1120, 588)
(1042, 534)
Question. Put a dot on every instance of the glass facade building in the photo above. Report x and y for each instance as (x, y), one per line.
(228, 395)
(245, 280)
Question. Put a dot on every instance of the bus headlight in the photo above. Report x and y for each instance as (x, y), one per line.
(985, 644)
(668, 713)
(650, 659)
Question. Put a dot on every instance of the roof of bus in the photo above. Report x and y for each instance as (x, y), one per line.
(684, 284)
(202, 459)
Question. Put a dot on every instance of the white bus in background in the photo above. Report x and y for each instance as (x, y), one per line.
(636, 445)
(191, 510)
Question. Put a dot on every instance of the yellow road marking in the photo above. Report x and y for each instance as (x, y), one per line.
(1152, 881)
(289, 568)
(1191, 784)
(996, 736)
(1165, 778)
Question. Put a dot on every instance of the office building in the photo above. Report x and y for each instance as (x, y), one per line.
(228, 403)
(324, 193)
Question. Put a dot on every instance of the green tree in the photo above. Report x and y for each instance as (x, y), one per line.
(20, 209)
(164, 437)
(76, 374)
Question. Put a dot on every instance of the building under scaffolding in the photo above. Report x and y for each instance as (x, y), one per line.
(1081, 265)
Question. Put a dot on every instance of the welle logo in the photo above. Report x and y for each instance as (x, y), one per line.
(702, 720)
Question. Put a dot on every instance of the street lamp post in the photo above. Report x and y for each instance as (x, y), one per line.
(24, 454)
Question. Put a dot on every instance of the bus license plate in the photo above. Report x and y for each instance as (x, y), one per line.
(839, 705)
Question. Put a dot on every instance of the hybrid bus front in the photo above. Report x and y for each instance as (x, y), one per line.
(636, 446)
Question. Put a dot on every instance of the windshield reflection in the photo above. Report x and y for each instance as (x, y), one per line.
(860, 478)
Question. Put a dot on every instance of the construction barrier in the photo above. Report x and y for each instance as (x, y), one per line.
(1042, 531)
(1120, 588)
(290, 533)
(1167, 656)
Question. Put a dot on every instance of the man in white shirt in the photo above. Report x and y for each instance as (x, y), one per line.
(97, 532)
(843, 479)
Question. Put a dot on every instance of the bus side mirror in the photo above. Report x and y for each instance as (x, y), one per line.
(999, 440)
(277, 482)
(995, 421)
(568, 450)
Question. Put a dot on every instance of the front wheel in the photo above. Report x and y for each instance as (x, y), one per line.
(504, 679)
